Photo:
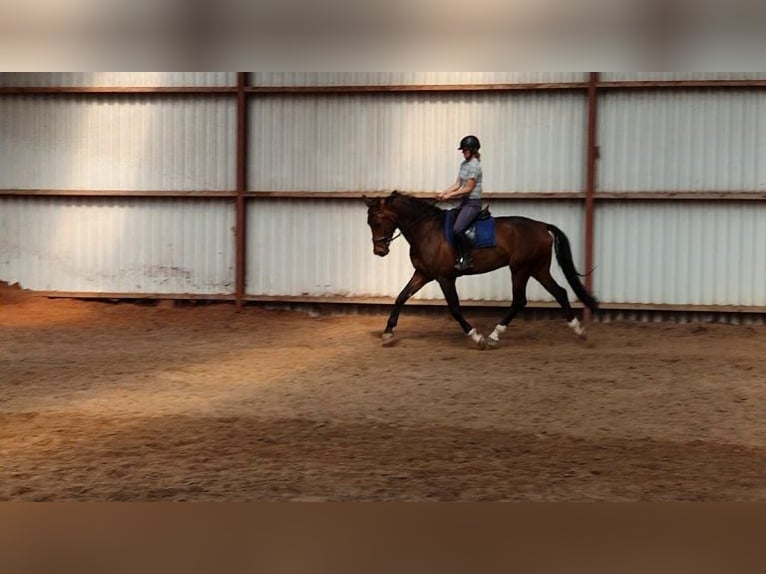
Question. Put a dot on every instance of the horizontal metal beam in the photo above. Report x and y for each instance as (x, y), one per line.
(276, 298)
(405, 88)
(329, 299)
(681, 84)
(582, 86)
(115, 295)
(683, 195)
(341, 195)
(116, 193)
(421, 194)
(686, 308)
(381, 89)
(117, 90)
(493, 303)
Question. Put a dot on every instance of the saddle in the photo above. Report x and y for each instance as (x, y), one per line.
(481, 232)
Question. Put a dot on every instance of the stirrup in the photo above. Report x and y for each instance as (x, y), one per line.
(463, 264)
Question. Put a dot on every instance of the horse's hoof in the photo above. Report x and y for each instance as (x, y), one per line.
(478, 339)
(387, 339)
(493, 343)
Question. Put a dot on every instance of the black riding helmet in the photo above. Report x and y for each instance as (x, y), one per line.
(470, 142)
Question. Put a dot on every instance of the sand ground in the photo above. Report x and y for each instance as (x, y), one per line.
(122, 401)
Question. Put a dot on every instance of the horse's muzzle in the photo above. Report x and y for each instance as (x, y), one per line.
(380, 250)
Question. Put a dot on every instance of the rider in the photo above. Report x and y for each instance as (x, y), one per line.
(468, 188)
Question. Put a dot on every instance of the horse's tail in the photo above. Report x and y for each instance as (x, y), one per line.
(564, 257)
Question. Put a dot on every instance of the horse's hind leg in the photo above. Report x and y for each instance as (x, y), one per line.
(453, 301)
(560, 294)
(519, 280)
(414, 285)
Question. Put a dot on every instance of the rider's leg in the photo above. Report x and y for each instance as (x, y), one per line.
(463, 252)
(465, 217)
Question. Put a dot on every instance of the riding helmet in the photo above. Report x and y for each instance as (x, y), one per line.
(470, 142)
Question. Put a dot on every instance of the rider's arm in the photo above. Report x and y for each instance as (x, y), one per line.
(441, 196)
(459, 191)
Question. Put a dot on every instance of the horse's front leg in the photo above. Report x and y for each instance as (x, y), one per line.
(413, 286)
(453, 301)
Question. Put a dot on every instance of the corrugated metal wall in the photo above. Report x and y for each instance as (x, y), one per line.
(370, 142)
(142, 142)
(646, 252)
(690, 253)
(114, 79)
(679, 76)
(410, 78)
(94, 245)
(531, 142)
(682, 141)
(122, 142)
(324, 248)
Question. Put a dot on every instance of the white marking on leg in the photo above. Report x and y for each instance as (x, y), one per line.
(499, 330)
(476, 337)
(574, 324)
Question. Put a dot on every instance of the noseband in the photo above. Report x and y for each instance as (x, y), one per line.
(386, 238)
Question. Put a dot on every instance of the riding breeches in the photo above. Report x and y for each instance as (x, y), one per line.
(468, 212)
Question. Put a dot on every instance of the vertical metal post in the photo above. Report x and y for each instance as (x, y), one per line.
(240, 231)
(590, 180)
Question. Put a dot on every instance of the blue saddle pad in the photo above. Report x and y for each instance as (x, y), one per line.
(481, 232)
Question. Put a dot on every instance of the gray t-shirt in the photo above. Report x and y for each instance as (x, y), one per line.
(471, 169)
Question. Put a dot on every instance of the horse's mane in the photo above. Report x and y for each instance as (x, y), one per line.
(415, 206)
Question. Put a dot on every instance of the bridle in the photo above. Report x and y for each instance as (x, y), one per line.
(387, 239)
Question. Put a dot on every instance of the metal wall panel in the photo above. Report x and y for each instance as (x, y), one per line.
(687, 253)
(702, 140)
(682, 317)
(117, 79)
(117, 245)
(677, 76)
(700, 253)
(290, 79)
(119, 142)
(530, 142)
(324, 248)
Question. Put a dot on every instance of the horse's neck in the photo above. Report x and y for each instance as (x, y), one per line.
(415, 224)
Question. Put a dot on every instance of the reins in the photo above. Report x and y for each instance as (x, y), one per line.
(416, 222)
(388, 240)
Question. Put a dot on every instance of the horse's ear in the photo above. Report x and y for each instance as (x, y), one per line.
(370, 201)
(393, 195)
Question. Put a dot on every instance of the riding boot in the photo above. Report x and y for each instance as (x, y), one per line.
(463, 247)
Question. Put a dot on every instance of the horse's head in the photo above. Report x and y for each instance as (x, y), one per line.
(382, 221)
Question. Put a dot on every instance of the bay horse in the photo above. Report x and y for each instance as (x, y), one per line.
(525, 245)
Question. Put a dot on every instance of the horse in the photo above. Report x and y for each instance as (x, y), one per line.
(525, 245)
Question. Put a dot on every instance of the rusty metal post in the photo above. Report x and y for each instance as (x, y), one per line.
(590, 181)
(240, 231)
